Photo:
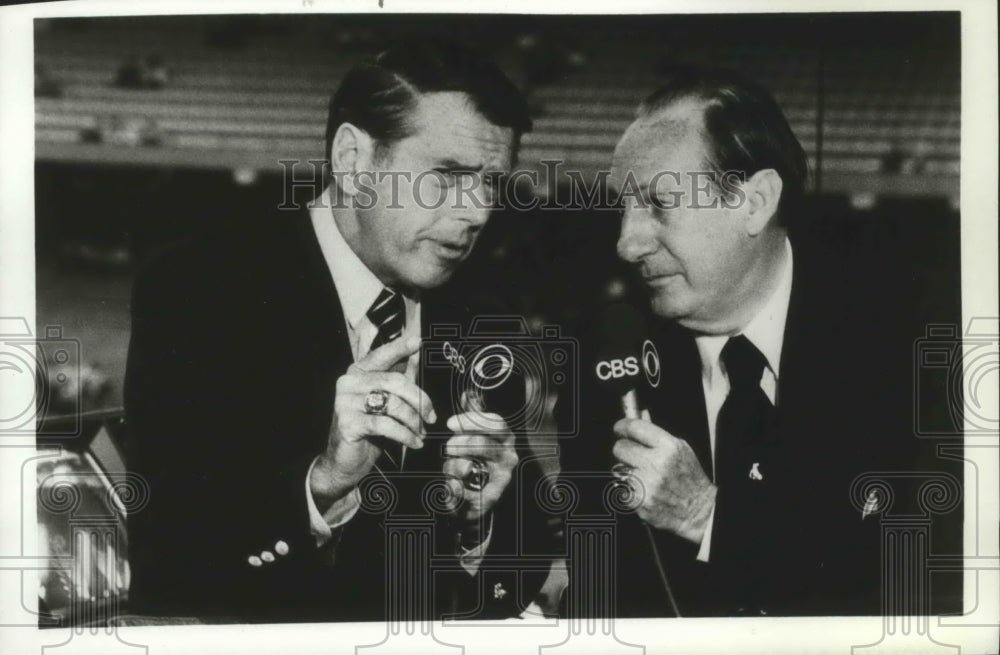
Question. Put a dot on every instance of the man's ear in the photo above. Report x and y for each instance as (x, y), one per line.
(350, 152)
(763, 193)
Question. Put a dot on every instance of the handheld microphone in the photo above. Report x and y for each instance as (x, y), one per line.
(626, 360)
(626, 357)
(494, 381)
(483, 375)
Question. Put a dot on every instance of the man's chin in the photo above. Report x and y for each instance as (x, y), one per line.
(430, 277)
(666, 306)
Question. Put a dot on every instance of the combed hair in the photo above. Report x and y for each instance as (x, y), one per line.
(743, 127)
(378, 95)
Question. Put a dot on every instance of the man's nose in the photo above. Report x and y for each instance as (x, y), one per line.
(638, 236)
(474, 205)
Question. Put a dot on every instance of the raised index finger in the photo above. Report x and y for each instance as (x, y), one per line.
(385, 357)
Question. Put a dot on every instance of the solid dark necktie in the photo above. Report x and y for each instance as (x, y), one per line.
(388, 314)
(744, 418)
(745, 508)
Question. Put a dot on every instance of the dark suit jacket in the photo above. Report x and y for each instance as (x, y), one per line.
(236, 346)
(794, 543)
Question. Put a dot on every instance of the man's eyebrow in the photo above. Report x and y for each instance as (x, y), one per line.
(455, 165)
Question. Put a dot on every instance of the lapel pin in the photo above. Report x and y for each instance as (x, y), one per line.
(755, 473)
(498, 591)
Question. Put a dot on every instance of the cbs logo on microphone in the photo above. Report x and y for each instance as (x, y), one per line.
(616, 369)
(509, 371)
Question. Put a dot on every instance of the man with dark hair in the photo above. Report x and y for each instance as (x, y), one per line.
(379, 95)
(274, 396)
(785, 378)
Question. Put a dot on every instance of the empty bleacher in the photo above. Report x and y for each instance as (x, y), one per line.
(888, 116)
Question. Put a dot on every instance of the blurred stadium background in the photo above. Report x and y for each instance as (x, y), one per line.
(150, 129)
(153, 129)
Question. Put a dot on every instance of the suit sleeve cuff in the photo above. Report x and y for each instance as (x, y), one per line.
(322, 525)
(706, 541)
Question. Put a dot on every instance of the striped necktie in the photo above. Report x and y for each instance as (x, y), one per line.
(388, 314)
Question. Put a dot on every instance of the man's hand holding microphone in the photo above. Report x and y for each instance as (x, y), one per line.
(480, 463)
(480, 455)
(672, 490)
(676, 495)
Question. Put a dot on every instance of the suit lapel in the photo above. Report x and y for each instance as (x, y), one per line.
(678, 403)
(322, 315)
(812, 366)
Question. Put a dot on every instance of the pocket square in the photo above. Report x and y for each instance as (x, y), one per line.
(871, 505)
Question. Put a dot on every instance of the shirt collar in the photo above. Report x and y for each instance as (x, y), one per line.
(356, 285)
(766, 330)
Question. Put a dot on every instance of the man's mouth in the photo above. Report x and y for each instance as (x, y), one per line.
(451, 249)
(654, 279)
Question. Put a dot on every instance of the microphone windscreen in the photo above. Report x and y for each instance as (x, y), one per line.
(495, 381)
(617, 342)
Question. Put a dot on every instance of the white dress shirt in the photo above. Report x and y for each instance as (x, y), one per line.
(357, 288)
(766, 331)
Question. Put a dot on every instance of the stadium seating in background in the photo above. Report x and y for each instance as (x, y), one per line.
(245, 95)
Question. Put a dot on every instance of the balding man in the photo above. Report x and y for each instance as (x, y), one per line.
(786, 375)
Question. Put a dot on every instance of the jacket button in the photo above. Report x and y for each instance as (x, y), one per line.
(281, 548)
(254, 561)
(267, 556)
